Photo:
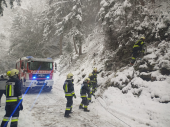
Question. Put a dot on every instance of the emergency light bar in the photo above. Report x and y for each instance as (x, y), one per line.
(34, 77)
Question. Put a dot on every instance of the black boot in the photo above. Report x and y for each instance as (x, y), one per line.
(132, 62)
(81, 107)
(67, 114)
(86, 110)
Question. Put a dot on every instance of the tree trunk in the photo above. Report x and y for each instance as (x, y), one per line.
(153, 1)
(61, 44)
(98, 6)
(125, 17)
(75, 45)
(142, 2)
(80, 50)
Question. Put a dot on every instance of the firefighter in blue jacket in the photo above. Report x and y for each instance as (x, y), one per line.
(13, 100)
(69, 93)
(138, 46)
(94, 79)
(91, 87)
(84, 91)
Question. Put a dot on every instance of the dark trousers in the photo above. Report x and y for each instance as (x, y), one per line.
(89, 97)
(69, 105)
(11, 109)
(94, 87)
(1, 93)
(135, 54)
(84, 102)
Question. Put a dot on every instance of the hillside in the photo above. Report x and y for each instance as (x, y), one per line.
(142, 89)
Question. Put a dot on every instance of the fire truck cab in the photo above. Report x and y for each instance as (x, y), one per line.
(36, 73)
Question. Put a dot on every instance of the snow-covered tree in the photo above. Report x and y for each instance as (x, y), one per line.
(69, 51)
(26, 34)
(124, 21)
(72, 23)
(3, 2)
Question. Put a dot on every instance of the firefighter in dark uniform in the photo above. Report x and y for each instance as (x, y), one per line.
(137, 48)
(90, 85)
(69, 93)
(13, 100)
(94, 80)
(3, 80)
(83, 92)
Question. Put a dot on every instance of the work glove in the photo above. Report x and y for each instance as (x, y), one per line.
(21, 107)
(74, 96)
(94, 96)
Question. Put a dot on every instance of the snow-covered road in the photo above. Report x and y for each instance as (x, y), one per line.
(112, 109)
(49, 108)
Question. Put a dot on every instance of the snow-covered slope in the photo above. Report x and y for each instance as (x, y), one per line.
(133, 99)
(124, 99)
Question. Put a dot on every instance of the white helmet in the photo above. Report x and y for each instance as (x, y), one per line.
(14, 72)
(70, 76)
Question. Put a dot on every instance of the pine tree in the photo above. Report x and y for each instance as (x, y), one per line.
(11, 3)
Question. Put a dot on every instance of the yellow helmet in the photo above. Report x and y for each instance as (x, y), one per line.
(87, 79)
(95, 69)
(70, 76)
(8, 73)
(90, 74)
(14, 72)
(142, 38)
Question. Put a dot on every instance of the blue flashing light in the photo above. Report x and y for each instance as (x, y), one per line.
(47, 77)
(34, 77)
(29, 57)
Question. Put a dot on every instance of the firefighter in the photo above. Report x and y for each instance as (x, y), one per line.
(94, 80)
(13, 99)
(83, 91)
(69, 93)
(3, 80)
(137, 48)
(90, 85)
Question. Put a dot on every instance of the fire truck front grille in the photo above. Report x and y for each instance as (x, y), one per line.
(40, 75)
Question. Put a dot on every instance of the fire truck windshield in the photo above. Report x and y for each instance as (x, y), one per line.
(36, 65)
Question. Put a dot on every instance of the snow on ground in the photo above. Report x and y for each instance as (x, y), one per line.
(49, 109)
(112, 108)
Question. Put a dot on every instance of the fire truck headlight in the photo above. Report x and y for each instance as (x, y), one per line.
(47, 77)
(34, 77)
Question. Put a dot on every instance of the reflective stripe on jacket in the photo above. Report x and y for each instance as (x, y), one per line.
(13, 90)
(139, 43)
(68, 88)
(84, 89)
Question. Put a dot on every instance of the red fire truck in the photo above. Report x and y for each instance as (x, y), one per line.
(36, 73)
